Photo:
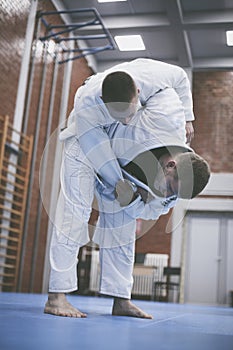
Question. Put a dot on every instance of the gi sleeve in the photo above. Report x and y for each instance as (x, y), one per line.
(163, 75)
(96, 145)
(90, 124)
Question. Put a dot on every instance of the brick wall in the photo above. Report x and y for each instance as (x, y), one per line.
(13, 22)
(213, 108)
(156, 236)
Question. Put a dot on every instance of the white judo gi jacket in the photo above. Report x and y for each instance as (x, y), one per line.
(90, 116)
(161, 123)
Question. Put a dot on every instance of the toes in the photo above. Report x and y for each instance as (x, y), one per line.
(76, 314)
(144, 315)
(65, 313)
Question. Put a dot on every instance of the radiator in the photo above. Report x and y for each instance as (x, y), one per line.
(158, 260)
(94, 272)
(144, 275)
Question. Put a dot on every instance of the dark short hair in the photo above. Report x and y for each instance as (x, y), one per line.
(118, 87)
(193, 173)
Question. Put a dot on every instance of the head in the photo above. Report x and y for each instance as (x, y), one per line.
(184, 175)
(120, 95)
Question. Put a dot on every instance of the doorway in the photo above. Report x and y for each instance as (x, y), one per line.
(209, 261)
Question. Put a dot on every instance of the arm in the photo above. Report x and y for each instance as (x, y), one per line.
(97, 148)
(181, 85)
(90, 122)
(156, 75)
(169, 76)
(151, 210)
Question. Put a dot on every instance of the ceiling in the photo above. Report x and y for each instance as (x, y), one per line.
(189, 33)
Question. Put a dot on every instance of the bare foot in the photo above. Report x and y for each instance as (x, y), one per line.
(124, 307)
(59, 306)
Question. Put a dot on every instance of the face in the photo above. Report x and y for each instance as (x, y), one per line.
(166, 181)
(123, 111)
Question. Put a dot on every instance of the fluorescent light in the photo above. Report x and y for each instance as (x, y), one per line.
(110, 0)
(229, 35)
(129, 42)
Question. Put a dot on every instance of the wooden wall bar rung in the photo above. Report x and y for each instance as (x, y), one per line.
(8, 247)
(7, 238)
(12, 183)
(17, 176)
(7, 284)
(16, 202)
(18, 146)
(10, 229)
(7, 190)
(17, 166)
(10, 127)
(9, 219)
(15, 161)
(8, 256)
(10, 210)
(9, 275)
(8, 266)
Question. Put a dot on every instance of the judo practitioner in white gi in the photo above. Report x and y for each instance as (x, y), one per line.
(88, 151)
(152, 150)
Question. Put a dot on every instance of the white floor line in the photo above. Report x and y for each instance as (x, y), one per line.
(161, 321)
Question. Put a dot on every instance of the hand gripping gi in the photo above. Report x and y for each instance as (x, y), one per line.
(125, 192)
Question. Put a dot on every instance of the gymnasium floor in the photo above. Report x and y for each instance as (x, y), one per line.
(24, 326)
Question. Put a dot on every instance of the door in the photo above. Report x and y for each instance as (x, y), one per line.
(208, 269)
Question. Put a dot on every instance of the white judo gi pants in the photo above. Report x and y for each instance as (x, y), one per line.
(115, 231)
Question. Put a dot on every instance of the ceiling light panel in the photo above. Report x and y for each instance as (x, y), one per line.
(101, 1)
(229, 35)
(129, 42)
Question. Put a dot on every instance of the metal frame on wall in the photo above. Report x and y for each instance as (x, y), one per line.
(56, 32)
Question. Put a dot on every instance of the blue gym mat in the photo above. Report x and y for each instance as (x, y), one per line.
(24, 326)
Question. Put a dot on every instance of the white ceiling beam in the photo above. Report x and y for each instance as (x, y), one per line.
(135, 21)
(59, 6)
(208, 17)
(187, 21)
(204, 26)
(105, 64)
(174, 14)
(210, 63)
(128, 21)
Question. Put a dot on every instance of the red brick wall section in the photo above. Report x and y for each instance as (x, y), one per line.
(80, 71)
(13, 22)
(213, 107)
(157, 239)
